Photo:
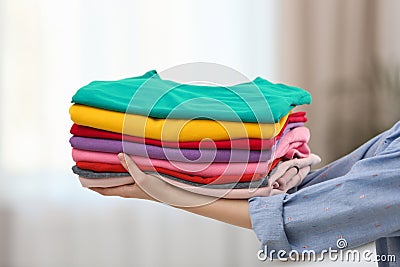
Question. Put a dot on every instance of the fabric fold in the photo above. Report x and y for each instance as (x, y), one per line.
(243, 143)
(174, 130)
(106, 150)
(151, 96)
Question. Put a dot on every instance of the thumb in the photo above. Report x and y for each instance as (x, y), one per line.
(130, 166)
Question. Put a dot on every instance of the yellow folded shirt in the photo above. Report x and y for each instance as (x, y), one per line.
(174, 130)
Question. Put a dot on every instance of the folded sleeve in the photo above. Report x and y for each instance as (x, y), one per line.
(359, 206)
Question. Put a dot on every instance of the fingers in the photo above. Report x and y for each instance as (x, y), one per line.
(293, 177)
(275, 185)
(292, 183)
(311, 160)
(276, 192)
(148, 184)
(131, 167)
(303, 173)
(121, 157)
(289, 174)
(122, 191)
(152, 187)
(125, 191)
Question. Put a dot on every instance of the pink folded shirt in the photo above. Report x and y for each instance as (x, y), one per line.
(292, 144)
(205, 169)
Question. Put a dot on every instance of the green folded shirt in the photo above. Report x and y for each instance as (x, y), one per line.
(148, 95)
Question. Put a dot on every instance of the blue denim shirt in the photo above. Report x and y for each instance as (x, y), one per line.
(355, 198)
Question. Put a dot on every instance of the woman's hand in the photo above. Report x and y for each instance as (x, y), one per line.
(232, 211)
(125, 191)
(151, 187)
(283, 184)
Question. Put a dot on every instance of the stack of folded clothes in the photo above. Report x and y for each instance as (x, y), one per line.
(234, 142)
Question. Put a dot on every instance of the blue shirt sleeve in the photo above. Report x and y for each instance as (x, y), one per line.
(356, 198)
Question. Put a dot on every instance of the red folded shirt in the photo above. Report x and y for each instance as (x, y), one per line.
(104, 167)
(299, 116)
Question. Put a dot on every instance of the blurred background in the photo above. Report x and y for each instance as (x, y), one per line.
(346, 53)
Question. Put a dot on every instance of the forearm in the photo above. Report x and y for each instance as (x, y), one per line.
(151, 187)
(232, 211)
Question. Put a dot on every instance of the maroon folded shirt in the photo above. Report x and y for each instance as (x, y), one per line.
(251, 144)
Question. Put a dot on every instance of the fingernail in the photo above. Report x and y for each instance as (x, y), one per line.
(121, 156)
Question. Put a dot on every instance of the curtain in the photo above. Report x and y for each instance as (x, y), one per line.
(346, 54)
